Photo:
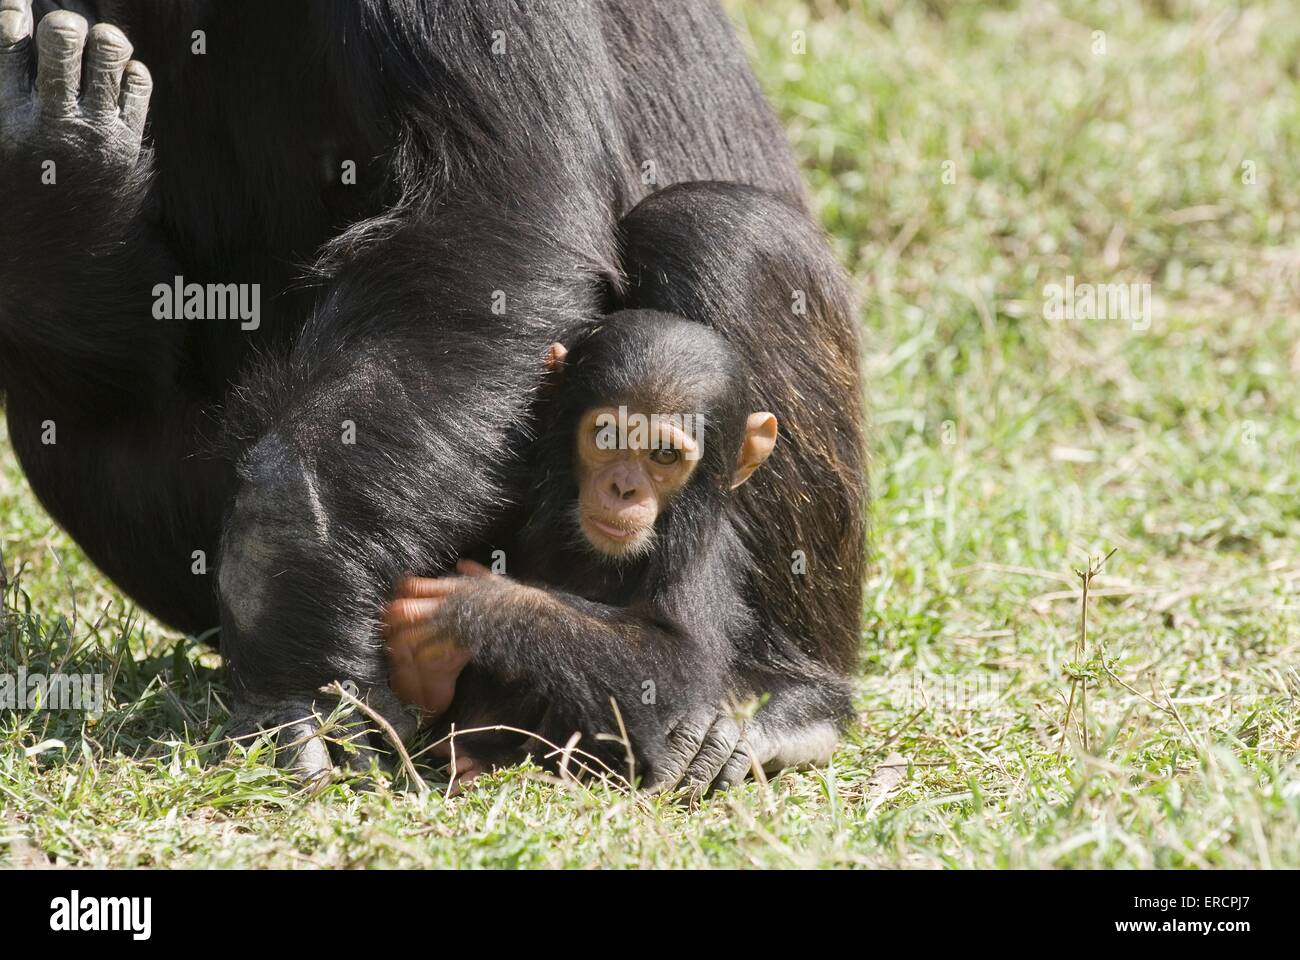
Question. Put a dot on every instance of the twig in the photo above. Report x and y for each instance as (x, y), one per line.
(412, 774)
(1173, 708)
(452, 781)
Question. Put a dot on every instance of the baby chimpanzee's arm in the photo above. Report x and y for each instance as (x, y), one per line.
(644, 674)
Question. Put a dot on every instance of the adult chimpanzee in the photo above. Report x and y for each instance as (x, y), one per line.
(454, 171)
(628, 542)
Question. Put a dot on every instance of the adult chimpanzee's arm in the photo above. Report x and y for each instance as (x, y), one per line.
(98, 408)
(78, 260)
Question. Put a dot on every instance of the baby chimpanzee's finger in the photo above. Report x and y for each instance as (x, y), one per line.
(471, 568)
(404, 613)
(425, 586)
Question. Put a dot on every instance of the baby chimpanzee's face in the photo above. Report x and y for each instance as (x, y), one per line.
(629, 464)
(632, 458)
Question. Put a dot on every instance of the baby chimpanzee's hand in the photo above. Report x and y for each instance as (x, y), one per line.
(424, 654)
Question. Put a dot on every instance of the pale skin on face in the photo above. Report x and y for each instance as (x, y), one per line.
(621, 493)
(623, 487)
(622, 490)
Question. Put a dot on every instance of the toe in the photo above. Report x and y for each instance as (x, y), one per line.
(464, 772)
(15, 25)
(15, 22)
(683, 743)
(738, 766)
(60, 37)
(718, 746)
(467, 768)
(15, 49)
(137, 85)
(107, 54)
(303, 752)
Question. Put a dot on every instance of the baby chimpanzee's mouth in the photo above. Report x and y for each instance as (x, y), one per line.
(609, 530)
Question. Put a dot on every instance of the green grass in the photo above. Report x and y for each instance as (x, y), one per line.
(1178, 446)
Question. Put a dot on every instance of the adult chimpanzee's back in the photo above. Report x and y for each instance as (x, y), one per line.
(417, 196)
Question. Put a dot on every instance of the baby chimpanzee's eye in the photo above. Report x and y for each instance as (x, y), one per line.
(664, 456)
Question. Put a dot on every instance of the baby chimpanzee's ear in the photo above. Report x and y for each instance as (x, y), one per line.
(760, 441)
(555, 355)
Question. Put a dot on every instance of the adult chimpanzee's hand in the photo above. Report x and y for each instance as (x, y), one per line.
(89, 127)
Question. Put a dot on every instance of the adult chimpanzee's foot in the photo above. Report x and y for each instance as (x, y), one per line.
(310, 748)
(95, 124)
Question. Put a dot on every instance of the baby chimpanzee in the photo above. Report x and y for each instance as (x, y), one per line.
(628, 537)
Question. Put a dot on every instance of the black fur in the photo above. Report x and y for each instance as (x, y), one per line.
(654, 632)
(479, 174)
